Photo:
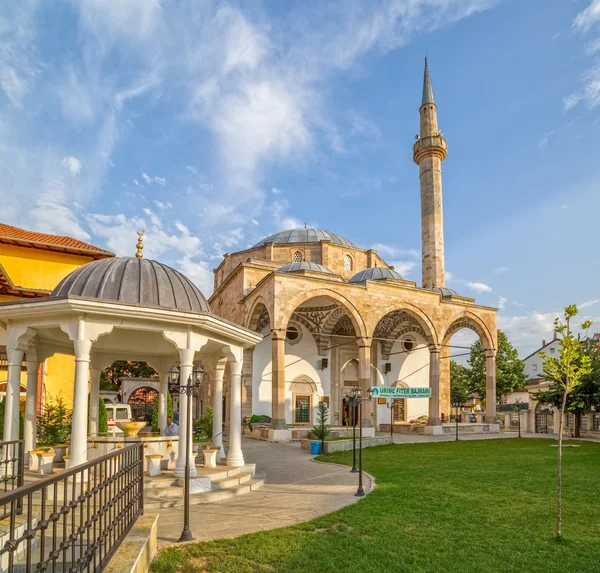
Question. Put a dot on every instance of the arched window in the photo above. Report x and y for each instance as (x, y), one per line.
(347, 263)
(298, 257)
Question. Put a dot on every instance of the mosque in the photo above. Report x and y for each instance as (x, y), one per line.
(333, 315)
(303, 316)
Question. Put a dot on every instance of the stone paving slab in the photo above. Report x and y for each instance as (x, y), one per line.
(297, 489)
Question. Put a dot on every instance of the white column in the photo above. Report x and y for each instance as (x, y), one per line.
(79, 425)
(29, 430)
(186, 357)
(218, 409)
(13, 391)
(235, 457)
(94, 397)
(490, 387)
(162, 400)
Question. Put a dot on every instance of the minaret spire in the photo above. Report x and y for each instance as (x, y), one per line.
(428, 153)
(427, 89)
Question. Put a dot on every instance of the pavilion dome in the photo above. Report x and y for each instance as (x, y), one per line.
(376, 274)
(305, 236)
(445, 292)
(134, 281)
(305, 266)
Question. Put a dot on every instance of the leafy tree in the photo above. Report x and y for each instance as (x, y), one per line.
(510, 373)
(322, 429)
(459, 383)
(567, 372)
(109, 378)
(155, 427)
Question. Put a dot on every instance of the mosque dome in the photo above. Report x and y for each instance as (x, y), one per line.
(445, 292)
(134, 281)
(376, 274)
(305, 266)
(305, 236)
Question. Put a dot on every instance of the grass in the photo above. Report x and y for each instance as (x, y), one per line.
(478, 506)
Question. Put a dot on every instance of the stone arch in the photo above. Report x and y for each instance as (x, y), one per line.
(259, 316)
(304, 384)
(420, 319)
(355, 317)
(400, 384)
(474, 323)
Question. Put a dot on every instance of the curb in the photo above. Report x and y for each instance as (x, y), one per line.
(372, 481)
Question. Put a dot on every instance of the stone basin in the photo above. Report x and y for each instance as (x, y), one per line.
(131, 429)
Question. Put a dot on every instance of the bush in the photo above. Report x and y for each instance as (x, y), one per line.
(102, 417)
(204, 424)
(155, 427)
(54, 425)
(258, 419)
(322, 430)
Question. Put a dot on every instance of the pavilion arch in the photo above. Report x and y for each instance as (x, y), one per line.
(474, 323)
(259, 316)
(355, 317)
(429, 332)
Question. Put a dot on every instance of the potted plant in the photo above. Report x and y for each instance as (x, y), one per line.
(321, 430)
(54, 427)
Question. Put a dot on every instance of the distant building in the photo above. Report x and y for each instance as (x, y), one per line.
(534, 363)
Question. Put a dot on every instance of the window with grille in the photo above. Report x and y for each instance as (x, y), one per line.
(302, 414)
(298, 257)
(347, 263)
(399, 410)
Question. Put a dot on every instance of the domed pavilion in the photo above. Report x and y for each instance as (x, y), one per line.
(125, 308)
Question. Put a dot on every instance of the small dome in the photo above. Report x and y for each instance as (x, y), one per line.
(376, 274)
(305, 236)
(305, 266)
(133, 281)
(445, 292)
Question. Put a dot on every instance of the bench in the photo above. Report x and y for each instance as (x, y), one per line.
(45, 462)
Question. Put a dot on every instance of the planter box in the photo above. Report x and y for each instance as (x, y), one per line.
(345, 445)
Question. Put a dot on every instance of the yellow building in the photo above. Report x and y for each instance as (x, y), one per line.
(31, 265)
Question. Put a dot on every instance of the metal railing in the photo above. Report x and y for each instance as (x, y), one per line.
(76, 520)
(12, 470)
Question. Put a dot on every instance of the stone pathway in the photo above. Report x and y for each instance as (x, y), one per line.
(296, 489)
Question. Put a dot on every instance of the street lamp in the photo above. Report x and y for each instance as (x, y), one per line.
(194, 382)
(517, 410)
(457, 404)
(390, 405)
(349, 401)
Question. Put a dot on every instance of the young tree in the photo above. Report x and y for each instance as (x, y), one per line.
(459, 383)
(567, 372)
(322, 429)
(509, 369)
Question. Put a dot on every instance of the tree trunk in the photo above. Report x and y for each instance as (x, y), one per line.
(577, 423)
(559, 472)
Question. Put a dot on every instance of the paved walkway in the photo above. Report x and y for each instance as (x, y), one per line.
(296, 489)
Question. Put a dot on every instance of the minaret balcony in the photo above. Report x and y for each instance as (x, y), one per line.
(430, 145)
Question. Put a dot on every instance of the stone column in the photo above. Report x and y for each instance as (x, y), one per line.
(490, 386)
(29, 430)
(162, 400)
(434, 384)
(235, 457)
(186, 357)
(94, 398)
(364, 381)
(278, 381)
(13, 394)
(218, 408)
(79, 424)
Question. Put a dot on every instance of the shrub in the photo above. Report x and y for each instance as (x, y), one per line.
(322, 429)
(54, 425)
(102, 417)
(258, 419)
(204, 424)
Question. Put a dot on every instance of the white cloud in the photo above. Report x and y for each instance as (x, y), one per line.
(500, 270)
(448, 275)
(155, 179)
(479, 287)
(161, 205)
(543, 141)
(72, 164)
(404, 267)
(502, 302)
(588, 303)
(588, 17)
(391, 251)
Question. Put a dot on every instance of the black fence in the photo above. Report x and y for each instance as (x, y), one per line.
(73, 521)
(12, 470)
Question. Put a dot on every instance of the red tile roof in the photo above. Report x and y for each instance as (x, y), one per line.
(15, 236)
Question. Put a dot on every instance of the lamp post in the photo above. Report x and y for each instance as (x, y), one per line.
(390, 405)
(355, 398)
(193, 384)
(517, 410)
(456, 405)
(349, 400)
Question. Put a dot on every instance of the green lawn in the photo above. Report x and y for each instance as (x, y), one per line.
(476, 506)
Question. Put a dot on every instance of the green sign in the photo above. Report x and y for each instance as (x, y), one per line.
(384, 392)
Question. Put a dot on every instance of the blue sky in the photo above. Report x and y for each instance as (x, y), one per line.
(212, 124)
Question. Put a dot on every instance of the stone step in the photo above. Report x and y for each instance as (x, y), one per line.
(166, 480)
(231, 481)
(159, 502)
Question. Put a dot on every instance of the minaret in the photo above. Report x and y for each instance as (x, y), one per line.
(428, 153)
